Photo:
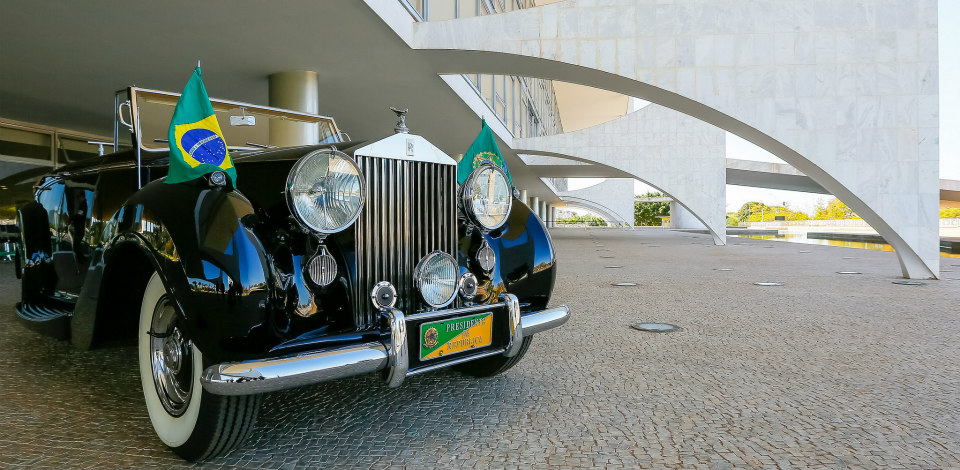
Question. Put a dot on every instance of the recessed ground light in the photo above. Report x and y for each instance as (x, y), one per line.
(908, 282)
(849, 257)
(848, 272)
(946, 270)
(804, 251)
(768, 284)
(769, 246)
(613, 266)
(624, 284)
(723, 269)
(607, 256)
(603, 249)
(599, 245)
(655, 327)
(654, 246)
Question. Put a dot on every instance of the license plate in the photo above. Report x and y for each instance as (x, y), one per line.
(446, 337)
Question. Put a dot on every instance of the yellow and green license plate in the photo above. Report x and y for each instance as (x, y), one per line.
(456, 335)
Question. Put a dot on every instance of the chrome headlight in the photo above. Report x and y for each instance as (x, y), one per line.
(325, 191)
(486, 197)
(436, 278)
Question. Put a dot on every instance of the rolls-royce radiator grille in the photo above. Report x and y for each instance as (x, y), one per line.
(409, 212)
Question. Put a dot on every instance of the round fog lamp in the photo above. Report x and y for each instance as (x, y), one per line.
(322, 268)
(486, 258)
(468, 286)
(436, 278)
(383, 295)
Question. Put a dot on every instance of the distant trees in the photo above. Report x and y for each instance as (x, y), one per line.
(833, 210)
(759, 212)
(649, 213)
(584, 219)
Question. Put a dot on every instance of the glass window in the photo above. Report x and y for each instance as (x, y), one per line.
(25, 143)
(72, 149)
(443, 10)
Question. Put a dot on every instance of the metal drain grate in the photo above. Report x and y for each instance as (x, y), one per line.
(908, 282)
(613, 266)
(768, 284)
(624, 284)
(723, 269)
(849, 272)
(655, 327)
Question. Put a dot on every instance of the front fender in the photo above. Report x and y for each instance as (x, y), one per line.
(212, 264)
(526, 260)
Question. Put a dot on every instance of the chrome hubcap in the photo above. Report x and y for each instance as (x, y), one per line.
(171, 359)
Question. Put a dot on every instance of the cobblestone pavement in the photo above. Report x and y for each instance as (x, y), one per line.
(826, 371)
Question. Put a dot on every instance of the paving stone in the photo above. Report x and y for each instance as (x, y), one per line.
(824, 372)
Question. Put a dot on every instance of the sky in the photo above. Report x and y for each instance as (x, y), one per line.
(949, 137)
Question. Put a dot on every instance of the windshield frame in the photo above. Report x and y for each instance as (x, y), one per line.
(134, 93)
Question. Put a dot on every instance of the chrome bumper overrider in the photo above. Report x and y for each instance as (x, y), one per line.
(267, 375)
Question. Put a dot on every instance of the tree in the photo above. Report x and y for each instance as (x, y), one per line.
(759, 212)
(584, 219)
(835, 209)
(649, 213)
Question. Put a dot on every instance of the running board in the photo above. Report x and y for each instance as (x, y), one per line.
(49, 321)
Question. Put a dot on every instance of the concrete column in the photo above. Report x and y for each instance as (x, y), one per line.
(297, 90)
(543, 211)
(535, 205)
(523, 195)
(552, 216)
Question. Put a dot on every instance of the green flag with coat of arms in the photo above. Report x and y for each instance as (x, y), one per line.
(197, 146)
(483, 149)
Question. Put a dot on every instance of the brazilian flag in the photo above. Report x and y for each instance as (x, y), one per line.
(483, 149)
(197, 146)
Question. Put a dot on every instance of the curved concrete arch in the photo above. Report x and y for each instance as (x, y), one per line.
(718, 234)
(608, 214)
(614, 195)
(828, 87)
(678, 155)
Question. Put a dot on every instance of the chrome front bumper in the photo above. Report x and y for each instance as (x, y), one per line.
(391, 356)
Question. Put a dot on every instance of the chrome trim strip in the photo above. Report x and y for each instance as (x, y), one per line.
(461, 360)
(397, 349)
(454, 312)
(543, 320)
(268, 375)
(515, 325)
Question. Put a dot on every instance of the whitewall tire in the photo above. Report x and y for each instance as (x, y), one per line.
(194, 423)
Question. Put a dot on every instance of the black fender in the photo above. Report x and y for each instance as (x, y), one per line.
(37, 274)
(526, 260)
(213, 265)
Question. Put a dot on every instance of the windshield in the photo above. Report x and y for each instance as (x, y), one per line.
(244, 126)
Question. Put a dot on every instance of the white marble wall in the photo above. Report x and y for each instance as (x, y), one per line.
(675, 153)
(846, 91)
(613, 198)
(682, 218)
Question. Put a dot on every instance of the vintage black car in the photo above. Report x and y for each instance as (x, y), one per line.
(327, 260)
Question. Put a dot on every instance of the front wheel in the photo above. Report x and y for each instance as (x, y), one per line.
(493, 365)
(193, 422)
